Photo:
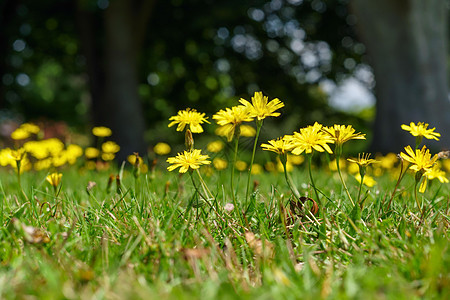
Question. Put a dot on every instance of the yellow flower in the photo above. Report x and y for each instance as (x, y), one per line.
(295, 159)
(363, 160)
(436, 172)
(220, 163)
(20, 134)
(388, 161)
(341, 133)
(108, 156)
(367, 181)
(279, 146)
(280, 167)
(247, 131)
(260, 108)
(257, 169)
(110, 147)
(133, 158)
(215, 146)
(420, 130)
(162, 148)
(18, 154)
(422, 163)
(91, 152)
(240, 165)
(188, 117)
(333, 166)
(310, 138)
(421, 159)
(30, 127)
(231, 118)
(54, 179)
(43, 164)
(188, 159)
(101, 131)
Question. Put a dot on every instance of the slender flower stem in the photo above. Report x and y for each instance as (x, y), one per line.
(258, 129)
(205, 187)
(342, 180)
(360, 188)
(289, 181)
(233, 192)
(311, 177)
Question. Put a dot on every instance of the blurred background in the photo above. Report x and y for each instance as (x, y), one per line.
(131, 64)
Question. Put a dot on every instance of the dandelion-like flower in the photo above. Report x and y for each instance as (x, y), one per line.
(341, 133)
(231, 118)
(422, 163)
(54, 179)
(367, 180)
(421, 130)
(421, 159)
(162, 148)
(101, 131)
(188, 160)
(110, 147)
(310, 138)
(189, 117)
(363, 160)
(436, 172)
(280, 146)
(261, 108)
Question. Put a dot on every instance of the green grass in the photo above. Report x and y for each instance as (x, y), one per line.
(154, 239)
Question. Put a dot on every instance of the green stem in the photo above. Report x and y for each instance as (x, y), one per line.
(205, 187)
(360, 188)
(292, 187)
(233, 192)
(311, 177)
(342, 180)
(258, 129)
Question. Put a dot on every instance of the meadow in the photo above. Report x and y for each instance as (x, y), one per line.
(308, 223)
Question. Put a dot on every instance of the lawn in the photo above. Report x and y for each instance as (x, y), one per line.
(293, 229)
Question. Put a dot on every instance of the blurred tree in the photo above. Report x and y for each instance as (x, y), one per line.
(112, 66)
(407, 44)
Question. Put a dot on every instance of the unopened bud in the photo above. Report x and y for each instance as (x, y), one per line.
(189, 140)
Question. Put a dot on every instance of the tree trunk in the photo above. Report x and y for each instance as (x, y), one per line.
(407, 44)
(122, 111)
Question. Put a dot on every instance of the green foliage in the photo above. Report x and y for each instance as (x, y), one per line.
(150, 241)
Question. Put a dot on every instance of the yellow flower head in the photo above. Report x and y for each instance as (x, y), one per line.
(279, 146)
(20, 134)
(231, 118)
(260, 108)
(436, 172)
(188, 160)
(240, 165)
(247, 131)
(91, 152)
(189, 117)
(341, 133)
(101, 131)
(220, 163)
(367, 181)
(30, 127)
(421, 159)
(310, 138)
(110, 147)
(421, 130)
(215, 146)
(54, 179)
(363, 160)
(18, 154)
(162, 148)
